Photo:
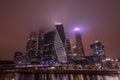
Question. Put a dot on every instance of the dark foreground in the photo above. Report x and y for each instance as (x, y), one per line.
(25, 74)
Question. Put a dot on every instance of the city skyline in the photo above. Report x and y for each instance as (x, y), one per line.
(98, 20)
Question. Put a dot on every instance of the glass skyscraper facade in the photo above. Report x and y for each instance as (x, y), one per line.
(49, 53)
(78, 48)
(68, 49)
(40, 45)
(18, 58)
(50, 46)
(31, 46)
(60, 44)
(97, 49)
(54, 45)
(60, 30)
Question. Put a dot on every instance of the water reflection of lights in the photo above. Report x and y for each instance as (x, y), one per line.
(13, 79)
(112, 78)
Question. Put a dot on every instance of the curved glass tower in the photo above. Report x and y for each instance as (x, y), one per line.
(59, 43)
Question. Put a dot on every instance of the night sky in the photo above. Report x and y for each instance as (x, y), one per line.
(97, 19)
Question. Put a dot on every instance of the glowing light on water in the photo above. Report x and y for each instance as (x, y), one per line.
(12, 79)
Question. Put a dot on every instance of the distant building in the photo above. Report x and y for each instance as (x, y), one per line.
(97, 49)
(18, 58)
(49, 53)
(54, 45)
(60, 30)
(40, 45)
(68, 49)
(59, 43)
(6, 65)
(31, 46)
(92, 60)
(78, 49)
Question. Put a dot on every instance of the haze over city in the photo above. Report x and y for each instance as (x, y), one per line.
(98, 20)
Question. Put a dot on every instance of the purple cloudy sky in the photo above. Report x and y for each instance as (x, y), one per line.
(98, 20)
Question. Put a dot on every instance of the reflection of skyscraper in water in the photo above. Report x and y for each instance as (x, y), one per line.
(78, 48)
(97, 49)
(31, 45)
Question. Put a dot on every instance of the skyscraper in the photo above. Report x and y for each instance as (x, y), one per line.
(54, 45)
(97, 49)
(78, 48)
(40, 45)
(68, 49)
(49, 53)
(31, 46)
(18, 58)
(59, 43)
(60, 29)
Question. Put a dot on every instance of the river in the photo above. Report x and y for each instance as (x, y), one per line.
(31, 76)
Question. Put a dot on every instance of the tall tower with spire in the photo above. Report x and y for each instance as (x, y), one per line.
(78, 48)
